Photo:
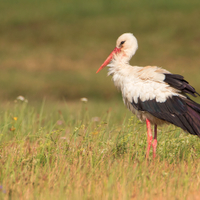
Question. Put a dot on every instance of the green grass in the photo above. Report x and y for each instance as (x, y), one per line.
(52, 152)
(66, 149)
(53, 49)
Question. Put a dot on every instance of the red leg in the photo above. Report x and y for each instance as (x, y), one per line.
(154, 144)
(149, 137)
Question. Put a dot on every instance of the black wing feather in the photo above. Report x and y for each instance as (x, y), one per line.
(177, 81)
(181, 112)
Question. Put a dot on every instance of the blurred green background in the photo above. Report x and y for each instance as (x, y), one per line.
(53, 48)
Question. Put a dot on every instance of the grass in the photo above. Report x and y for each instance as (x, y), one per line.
(66, 149)
(52, 152)
(54, 49)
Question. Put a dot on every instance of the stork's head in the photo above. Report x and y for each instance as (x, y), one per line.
(126, 47)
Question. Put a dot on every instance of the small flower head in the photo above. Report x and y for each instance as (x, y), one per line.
(12, 128)
(95, 133)
(21, 98)
(84, 99)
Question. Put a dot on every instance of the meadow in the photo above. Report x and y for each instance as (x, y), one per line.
(53, 145)
(58, 154)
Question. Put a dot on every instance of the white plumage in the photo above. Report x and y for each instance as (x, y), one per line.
(153, 94)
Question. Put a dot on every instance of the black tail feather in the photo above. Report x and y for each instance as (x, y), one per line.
(193, 118)
(195, 106)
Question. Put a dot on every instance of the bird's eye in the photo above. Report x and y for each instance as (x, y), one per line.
(122, 42)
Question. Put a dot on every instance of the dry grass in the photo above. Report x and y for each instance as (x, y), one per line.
(51, 153)
(72, 150)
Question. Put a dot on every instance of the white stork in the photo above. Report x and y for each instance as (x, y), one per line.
(153, 94)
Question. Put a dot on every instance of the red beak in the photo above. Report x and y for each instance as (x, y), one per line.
(109, 58)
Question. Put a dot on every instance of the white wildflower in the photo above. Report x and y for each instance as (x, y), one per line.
(21, 98)
(84, 99)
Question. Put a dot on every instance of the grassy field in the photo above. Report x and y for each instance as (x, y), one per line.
(56, 147)
(54, 49)
(61, 154)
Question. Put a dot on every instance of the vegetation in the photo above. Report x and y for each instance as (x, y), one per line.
(47, 155)
(54, 49)
(55, 146)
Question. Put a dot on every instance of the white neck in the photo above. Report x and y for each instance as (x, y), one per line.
(118, 65)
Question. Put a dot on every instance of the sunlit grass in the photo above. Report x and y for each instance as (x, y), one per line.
(72, 149)
(52, 152)
(54, 49)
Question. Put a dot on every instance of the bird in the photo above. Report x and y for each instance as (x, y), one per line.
(152, 93)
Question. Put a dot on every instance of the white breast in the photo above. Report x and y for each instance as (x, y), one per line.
(145, 83)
